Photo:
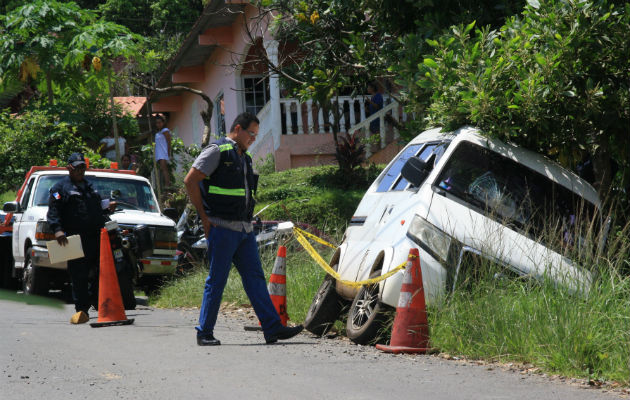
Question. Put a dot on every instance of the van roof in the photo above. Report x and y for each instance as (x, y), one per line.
(530, 159)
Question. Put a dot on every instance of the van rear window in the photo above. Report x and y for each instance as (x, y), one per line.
(511, 192)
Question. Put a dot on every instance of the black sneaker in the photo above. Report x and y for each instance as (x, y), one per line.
(208, 340)
(283, 333)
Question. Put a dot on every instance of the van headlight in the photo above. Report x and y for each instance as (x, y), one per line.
(430, 238)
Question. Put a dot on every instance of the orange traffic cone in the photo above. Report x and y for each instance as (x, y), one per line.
(110, 304)
(278, 285)
(277, 288)
(411, 328)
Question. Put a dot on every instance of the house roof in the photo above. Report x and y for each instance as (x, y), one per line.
(131, 104)
(216, 14)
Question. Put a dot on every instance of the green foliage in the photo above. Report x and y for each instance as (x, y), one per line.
(20, 135)
(266, 166)
(540, 324)
(553, 80)
(320, 196)
(153, 17)
(36, 37)
(89, 113)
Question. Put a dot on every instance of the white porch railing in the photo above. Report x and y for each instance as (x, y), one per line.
(308, 119)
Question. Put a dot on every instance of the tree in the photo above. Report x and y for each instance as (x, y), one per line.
(35, 38)
(340, 46)
(554, 80)
(111, 47)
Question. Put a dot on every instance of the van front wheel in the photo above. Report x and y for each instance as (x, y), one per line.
(366, 316)
(324, 309)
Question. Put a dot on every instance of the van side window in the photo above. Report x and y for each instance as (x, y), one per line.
(510, 192)
(27, 194)
(424, 155)
(393, 173)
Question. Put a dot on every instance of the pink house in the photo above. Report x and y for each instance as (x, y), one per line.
(218, 57)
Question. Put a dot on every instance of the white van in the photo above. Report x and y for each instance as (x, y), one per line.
(472, 197)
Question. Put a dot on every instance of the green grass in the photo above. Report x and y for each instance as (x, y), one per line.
(7, 196)
(321, 196)
(303, 278)
(542, 324)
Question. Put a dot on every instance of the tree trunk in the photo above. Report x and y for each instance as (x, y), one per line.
(49, 88)
(113, 112)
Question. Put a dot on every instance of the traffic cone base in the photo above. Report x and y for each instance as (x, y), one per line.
(411, 328)
(111, 310)
(403, 349)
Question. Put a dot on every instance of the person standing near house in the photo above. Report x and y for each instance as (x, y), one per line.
(163, 149)
(108, 147)
(220, 184)
(375, 103)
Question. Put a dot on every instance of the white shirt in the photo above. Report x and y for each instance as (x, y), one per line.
(109, 141)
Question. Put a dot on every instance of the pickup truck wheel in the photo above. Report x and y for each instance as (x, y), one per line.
(366, 316)
(34, 278)
(324, 309)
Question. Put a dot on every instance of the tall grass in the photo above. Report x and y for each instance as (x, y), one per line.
(538, 321)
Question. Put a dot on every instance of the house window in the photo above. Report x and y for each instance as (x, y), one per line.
(219, 106)
(256, 89)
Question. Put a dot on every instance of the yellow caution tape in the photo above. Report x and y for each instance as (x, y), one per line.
(299, 235)
(315, 238)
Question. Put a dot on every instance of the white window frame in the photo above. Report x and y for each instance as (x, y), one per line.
(266, 91)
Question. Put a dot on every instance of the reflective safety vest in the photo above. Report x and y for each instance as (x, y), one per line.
(223, 192)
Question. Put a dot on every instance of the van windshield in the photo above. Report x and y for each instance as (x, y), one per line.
(130, 194)
(512, 193)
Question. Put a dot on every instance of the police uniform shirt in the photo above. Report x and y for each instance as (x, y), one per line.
(207, 163)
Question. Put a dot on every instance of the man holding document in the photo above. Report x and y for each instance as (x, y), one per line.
(75, 208)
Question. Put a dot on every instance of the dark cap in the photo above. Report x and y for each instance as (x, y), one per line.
(76, 159)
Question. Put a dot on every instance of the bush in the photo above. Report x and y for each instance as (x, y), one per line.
(32, 138)
(320, 196)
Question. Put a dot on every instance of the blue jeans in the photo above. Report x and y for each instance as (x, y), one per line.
(224, 247)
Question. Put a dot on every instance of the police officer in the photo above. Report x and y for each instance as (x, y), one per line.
(220, 186)
(75, 208)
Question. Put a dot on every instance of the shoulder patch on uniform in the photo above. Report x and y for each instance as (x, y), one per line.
(225, 147)
(56, 195)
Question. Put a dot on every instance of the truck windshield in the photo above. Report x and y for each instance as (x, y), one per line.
(130, 194)
(516, 195)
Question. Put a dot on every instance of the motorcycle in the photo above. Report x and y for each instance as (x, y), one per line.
(127, 247)
(191, 240)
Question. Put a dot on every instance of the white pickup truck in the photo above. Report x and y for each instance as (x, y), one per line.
(25, 258)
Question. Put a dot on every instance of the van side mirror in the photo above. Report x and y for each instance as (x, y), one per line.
(415, 171)
(171, 213)
(11, 207)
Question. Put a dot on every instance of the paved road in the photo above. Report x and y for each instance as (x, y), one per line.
(42, 356)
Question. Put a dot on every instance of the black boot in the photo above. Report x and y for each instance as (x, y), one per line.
(283, 333)
(207, 340)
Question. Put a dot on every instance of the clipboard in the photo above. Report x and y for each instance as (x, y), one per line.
(72, 250)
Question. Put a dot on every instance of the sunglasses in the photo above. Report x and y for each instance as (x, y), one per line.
(250, 133)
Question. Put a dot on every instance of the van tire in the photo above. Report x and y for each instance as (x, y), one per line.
(366, 317)
(325, 308)
(34, 278)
